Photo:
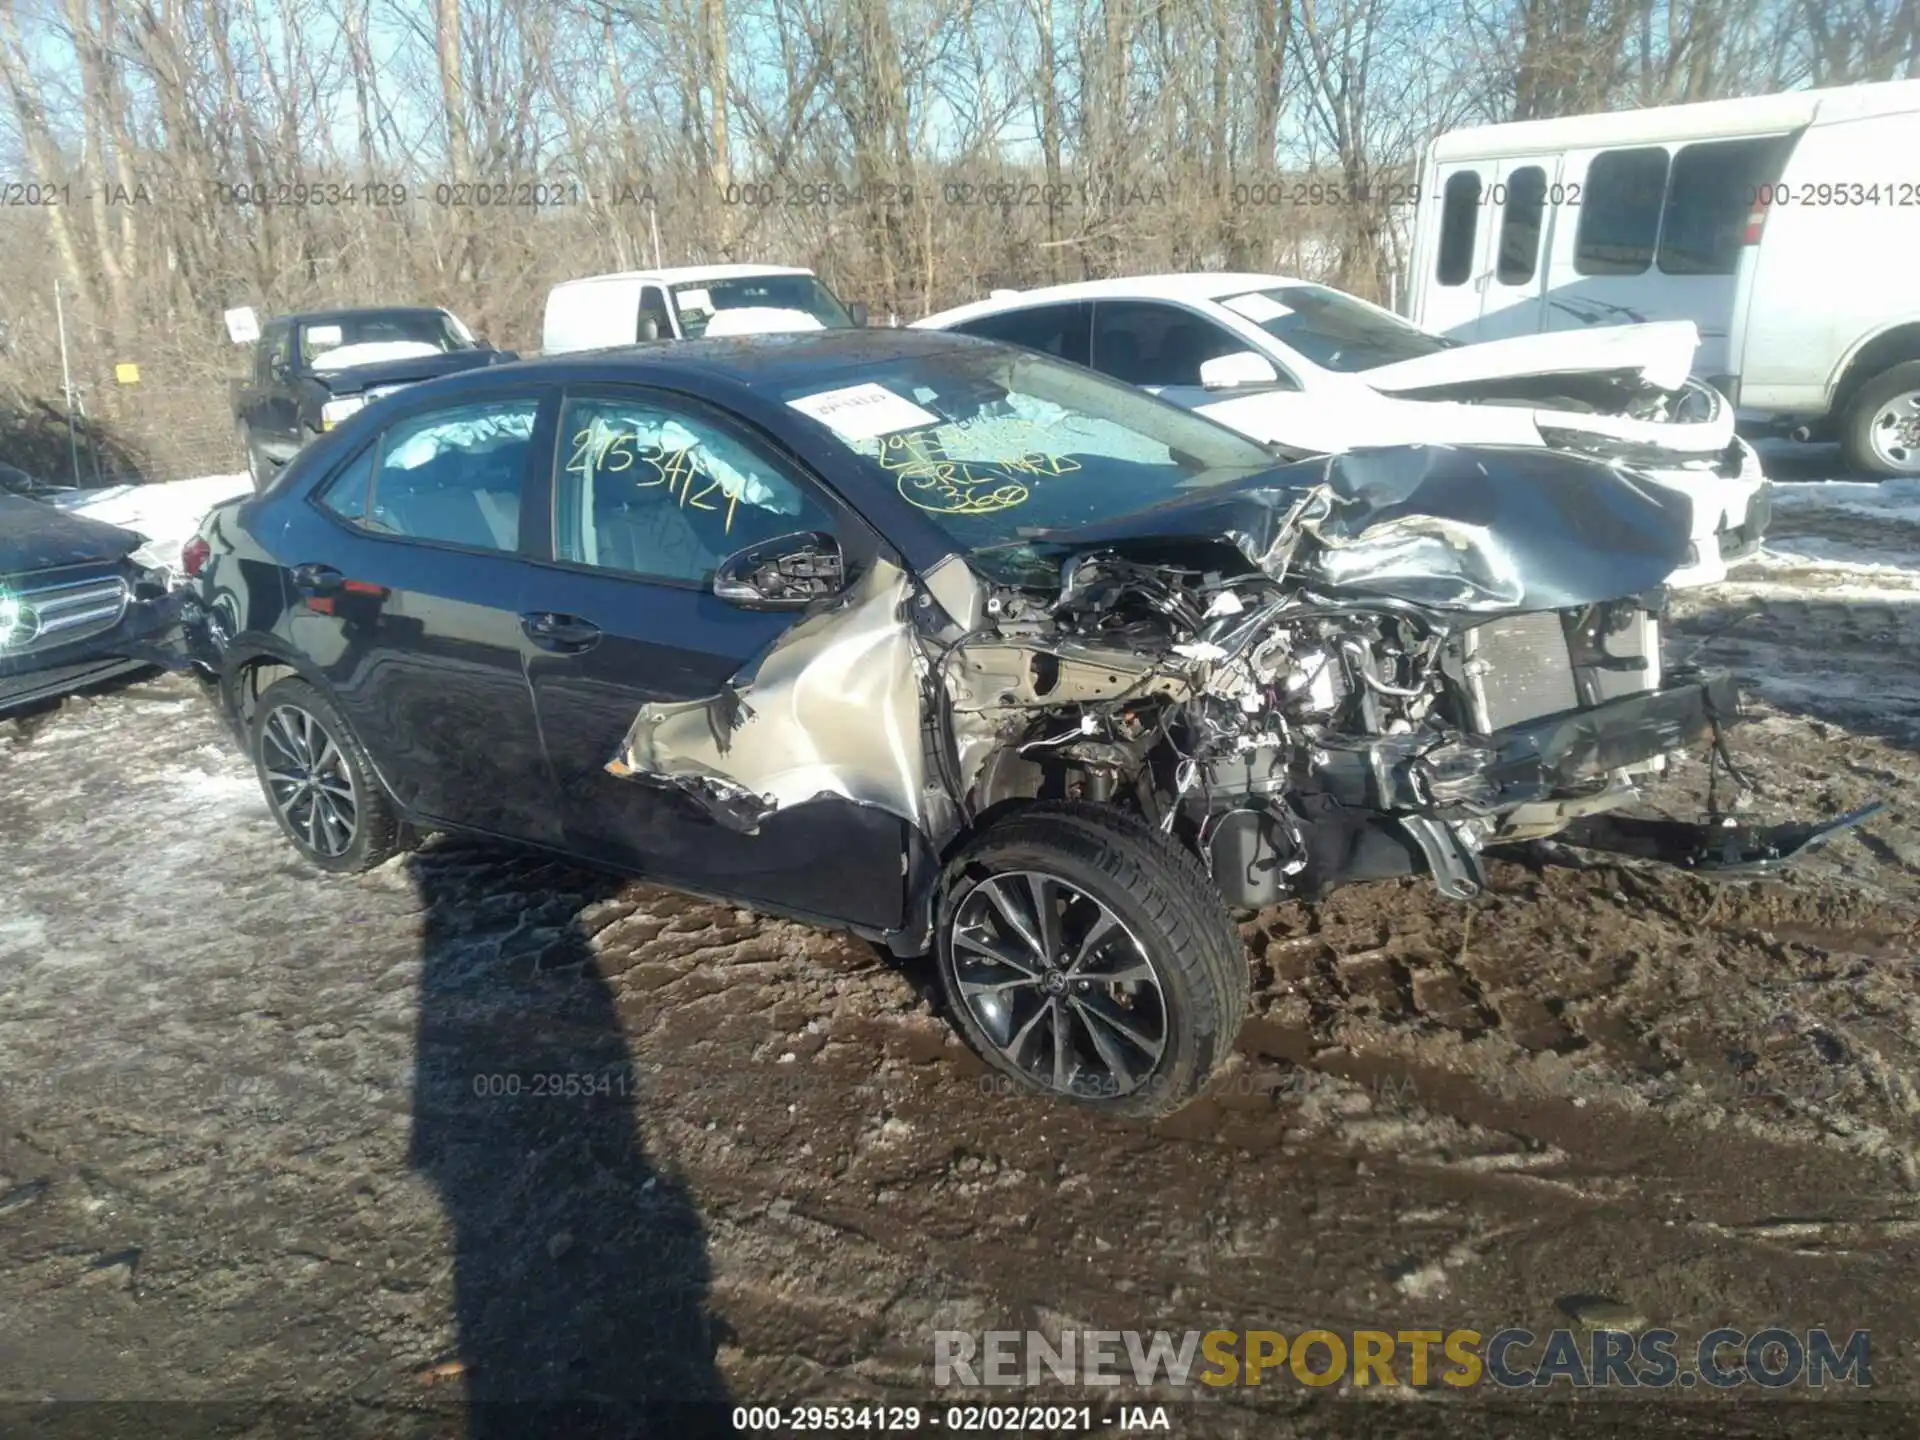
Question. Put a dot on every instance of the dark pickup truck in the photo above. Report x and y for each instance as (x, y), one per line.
(312, 371)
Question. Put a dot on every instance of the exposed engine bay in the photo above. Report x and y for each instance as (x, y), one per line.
(1294, 736)
(1360, 666)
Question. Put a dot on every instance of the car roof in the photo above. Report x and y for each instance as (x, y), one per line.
(688, 274)
(747, 360)
(1201, 285)
(343, 311)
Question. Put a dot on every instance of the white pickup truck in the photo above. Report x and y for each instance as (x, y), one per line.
(605, 310)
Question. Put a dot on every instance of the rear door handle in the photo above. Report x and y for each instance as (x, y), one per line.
(313, 579)
(562, 634)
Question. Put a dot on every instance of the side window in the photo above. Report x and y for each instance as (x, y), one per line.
(1058, 330)
(1708, 201)
(653, 306)
(345, 494)
(664, 493)
(277, 349)
(1459, 225)
(1620, 212)
(1520, 221)
(1144, 343)
(455, 475)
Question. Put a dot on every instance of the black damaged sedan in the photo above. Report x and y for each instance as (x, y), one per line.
(75, 608)
(958, 646)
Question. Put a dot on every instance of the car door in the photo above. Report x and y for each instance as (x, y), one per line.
(1160, 346)
(650, 491)
(1450, 299)
(408, 572)
(1525, 204)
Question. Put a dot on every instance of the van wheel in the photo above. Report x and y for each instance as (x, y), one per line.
(1881, 432)
(318, 782)
(1084, 955)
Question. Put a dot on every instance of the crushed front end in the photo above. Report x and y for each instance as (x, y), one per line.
(1357, 679)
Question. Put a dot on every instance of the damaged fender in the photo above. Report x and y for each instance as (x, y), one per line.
(830, 709)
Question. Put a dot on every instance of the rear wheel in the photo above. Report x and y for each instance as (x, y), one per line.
(1084, 955)
(1880, 433)
(318, 782)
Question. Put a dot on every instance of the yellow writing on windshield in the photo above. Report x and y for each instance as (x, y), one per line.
(929, 481)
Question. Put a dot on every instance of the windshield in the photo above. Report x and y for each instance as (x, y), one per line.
(994, 444)
(800, 302)
(1334, 331)
(376, 335)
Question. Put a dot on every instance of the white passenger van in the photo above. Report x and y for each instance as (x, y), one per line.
(1786, 227)
(602, 310)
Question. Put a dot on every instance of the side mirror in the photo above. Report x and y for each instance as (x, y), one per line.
(480, 342)
(280, 369)
(789, 572)
(649, 329)
(1242, 367)
(859, 313)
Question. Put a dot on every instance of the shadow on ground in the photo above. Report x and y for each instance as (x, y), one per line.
(581, 1269)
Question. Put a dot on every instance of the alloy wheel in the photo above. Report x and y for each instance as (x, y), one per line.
(309, 781)
(1061, 987)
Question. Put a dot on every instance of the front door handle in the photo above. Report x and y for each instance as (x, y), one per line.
(562, 634)
(313, 579)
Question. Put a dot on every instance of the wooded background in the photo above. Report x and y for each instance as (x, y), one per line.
(906, 149)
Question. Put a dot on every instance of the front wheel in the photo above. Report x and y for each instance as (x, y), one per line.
(1880, 433)
(1084, 955)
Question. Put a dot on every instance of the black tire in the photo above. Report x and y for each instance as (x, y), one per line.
(1857, 438)
(375, 831)
(1169, 908)
(257, 469)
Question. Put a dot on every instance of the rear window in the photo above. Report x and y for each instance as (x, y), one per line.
(1708, 199)
(1620, 212)
(1459, 223)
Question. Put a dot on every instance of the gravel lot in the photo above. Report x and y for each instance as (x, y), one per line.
(259, 1138)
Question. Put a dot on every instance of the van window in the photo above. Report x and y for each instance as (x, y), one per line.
(653, 306)
(1620, 212)
(1459, 222)
(1709, 198)
(1520, 224)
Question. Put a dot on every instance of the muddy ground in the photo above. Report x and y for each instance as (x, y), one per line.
(258, 1141)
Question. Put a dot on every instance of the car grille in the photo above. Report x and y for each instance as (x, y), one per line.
(49, 616)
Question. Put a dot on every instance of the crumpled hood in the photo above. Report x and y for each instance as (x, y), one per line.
(36, 537)
(356, 378)
(1478, 528)
(1661, 352)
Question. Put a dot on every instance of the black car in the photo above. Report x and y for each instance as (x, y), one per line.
(958, 646)
(311, 371)
(75, 608)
